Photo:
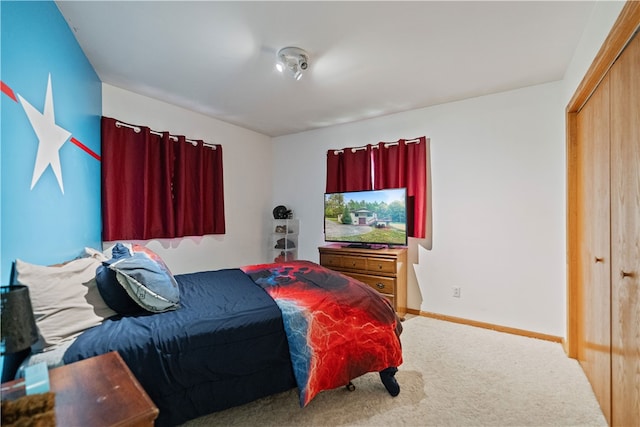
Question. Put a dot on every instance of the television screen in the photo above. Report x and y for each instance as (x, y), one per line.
(363, 218)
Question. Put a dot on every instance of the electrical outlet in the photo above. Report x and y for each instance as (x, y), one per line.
(456, 292)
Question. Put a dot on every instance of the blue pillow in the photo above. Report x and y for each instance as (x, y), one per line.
(148, 282)
(112, 292)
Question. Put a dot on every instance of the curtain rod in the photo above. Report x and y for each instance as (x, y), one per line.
(375, 147)
(172, 137)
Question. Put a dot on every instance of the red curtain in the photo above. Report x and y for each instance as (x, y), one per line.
(404, 164)
(215, 208)
(156, 187)
(349, 169)
(395, 165)
(198, 189)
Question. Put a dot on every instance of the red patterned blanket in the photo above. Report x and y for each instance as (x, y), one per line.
(337, 327)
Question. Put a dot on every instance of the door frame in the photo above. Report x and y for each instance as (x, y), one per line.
(621, 33)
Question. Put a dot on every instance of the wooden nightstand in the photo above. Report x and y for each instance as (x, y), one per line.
(100, 391)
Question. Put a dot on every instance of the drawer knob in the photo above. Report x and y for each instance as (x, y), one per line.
(380, 285)
(624, 274)
(598, 259)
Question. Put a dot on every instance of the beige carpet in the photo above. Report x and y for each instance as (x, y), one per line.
(452, 375)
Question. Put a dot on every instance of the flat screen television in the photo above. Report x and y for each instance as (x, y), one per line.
(366, 218)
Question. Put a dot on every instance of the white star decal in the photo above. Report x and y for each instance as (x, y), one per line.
(51, 137)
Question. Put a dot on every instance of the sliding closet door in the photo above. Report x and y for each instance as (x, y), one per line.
(625, 236)
(594, 351)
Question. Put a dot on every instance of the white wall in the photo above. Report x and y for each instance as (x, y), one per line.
(247, 183)
(499, 195)
(498, 191)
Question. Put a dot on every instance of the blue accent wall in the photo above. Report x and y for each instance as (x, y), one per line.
(44, 223)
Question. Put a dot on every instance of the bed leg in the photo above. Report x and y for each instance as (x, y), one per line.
(350, 386)
(388, 379)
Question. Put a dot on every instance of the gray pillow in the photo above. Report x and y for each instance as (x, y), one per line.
(65, 298)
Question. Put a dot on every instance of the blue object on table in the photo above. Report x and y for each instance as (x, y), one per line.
(36, 378)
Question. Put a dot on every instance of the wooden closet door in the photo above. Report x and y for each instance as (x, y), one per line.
(594, 351)
(625, 236)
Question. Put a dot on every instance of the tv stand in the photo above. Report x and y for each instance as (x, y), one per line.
(383, 269)
(371, 246)
(359, 246)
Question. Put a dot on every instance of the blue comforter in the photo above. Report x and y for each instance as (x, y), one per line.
(224, 346)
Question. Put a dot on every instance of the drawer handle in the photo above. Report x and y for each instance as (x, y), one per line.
(380, 285)
(597, 259)
(624, 274)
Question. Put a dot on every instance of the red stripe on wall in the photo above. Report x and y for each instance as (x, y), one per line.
(86, 149)
(7, 91)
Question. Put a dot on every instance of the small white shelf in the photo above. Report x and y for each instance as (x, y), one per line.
(284, 240)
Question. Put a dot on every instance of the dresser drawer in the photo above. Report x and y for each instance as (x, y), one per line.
(384, 285)
(354, 263)
(381, 265)
(330, 260)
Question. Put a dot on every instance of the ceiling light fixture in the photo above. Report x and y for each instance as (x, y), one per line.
(294, 60)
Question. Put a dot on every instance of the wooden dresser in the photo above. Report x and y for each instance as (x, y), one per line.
(385, 270)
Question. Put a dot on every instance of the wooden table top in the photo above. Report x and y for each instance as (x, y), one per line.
(100, 391)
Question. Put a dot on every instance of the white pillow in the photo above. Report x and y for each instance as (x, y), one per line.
(65, 298)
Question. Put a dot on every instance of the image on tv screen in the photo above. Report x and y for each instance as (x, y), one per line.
(366, 217)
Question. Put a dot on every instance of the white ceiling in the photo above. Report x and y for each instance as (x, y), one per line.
(367, 58)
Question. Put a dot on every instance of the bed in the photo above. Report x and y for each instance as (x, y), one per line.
(233, 336)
